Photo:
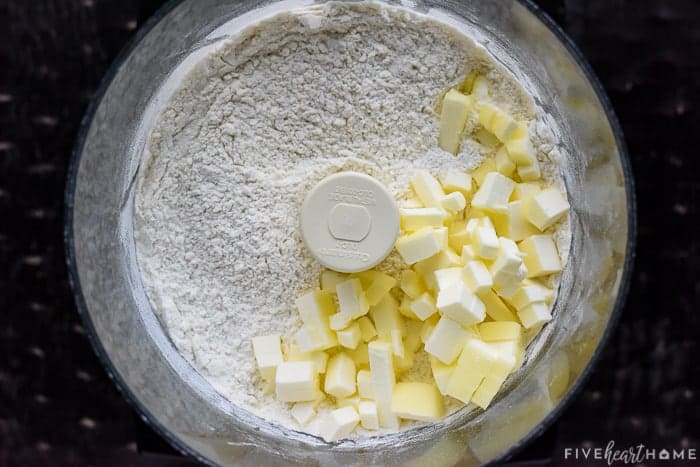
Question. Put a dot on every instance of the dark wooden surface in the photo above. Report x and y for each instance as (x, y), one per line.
(57, 406)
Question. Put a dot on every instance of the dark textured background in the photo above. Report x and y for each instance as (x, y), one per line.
(57, 406)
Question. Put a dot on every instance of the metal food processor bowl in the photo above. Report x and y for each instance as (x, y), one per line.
(183, 407)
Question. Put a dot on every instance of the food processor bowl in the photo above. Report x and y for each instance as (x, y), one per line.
(182, 406)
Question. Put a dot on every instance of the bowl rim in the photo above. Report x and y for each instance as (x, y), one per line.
(151, 420)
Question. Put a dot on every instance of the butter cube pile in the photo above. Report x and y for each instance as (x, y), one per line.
(477, 249)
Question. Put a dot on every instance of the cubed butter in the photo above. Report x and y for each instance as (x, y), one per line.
(445, 277)
(446, 340)
(364, 384)
(329, 279)
(547, 293)
(340, 376)
(427, 328)
(524, 190)
(350, 336)
(495, 308)
(475, 362)
(369, 418)
(303, 412)
(540, 255)
(454, 202)
(428, 189)
(351, 299)
(486, 167)
(477, 277)
(423, 307)
(412, 284)
(526, 295)
(459, 304)
(441, 374)
(296, 382)
(487, 390)
(503, 126)
(268, 354)
(494, 193)
(367, 329)
(417, 401)
(457, 182)
(457, 236)
(521, 151)
(483, 237)
(421, 244)
(418, 218)
(503, 163)
(315, 307)
(535, 314)
(386, 316)
(383, 379)
(339, 423)
(319, 358)
(312, 338)
(360, 355)
(500, 331)
(545, 208)
(513, 223)
(529, 173)
(455, 109)
(426, 268)
(469, 254)
(380, 285)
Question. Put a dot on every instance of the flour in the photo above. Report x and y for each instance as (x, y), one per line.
(249, 131)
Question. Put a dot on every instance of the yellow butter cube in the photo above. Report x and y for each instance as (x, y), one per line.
(529, 173)
(455, 109)
(410, 203)
(511, 350)
(340, 376)
(329, 279)
(508, 270)
(545, 208)
(427, 328)
(503, 163)
(487, 390)
(521, 151)
(503, 126)
(339, 423)
(350, 336)
(381, 364)
(441, 374)
(418, 218)
(312, 338)
(421, 244)
(423, 307)
(460, 182)
(483, 237)
(352, 401)
(526, 295)
(368, 415)
(446, 340)
(534, 315)
(480, 88)
(296, 382)
(403, 363)
(495, 308)
(475, 362)
(364, 384)
(405, 309)
(397, 347)
(315, 308)
(525, 190)
(546, 292)
(367, 329)
(427, 188)
(445, 277)
(541, 255)
(303, 412)
(319, 358)
(477, 277)
(386, 316)
(494, 193)
(453, 202)
(360, 355)
(486, 167)
(457, 235)
(469, 254)
(417, 401)
(381, 285)
(500, 331)
(459, 304)
(427, 267)
(268, 354)
(412, 331)
(513, 223)
(412, 284)
(351, 298)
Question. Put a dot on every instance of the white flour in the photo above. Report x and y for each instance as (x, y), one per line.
(250, 130)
